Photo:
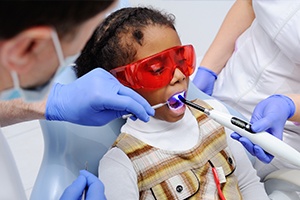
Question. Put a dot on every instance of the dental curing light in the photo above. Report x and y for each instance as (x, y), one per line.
(265, 140)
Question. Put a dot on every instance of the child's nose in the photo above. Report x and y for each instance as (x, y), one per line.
(178, 76)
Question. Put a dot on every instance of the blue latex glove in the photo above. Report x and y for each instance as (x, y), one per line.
(95, 99)
(269, 115)
(205, 80)
(85, 181)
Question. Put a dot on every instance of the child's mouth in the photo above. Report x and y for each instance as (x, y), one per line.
(174, 103)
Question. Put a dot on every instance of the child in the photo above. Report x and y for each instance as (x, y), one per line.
(175, 155)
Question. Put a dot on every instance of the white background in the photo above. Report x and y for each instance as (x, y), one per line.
(197, 21)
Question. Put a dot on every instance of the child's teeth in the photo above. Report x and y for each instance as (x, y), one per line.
(174, 103)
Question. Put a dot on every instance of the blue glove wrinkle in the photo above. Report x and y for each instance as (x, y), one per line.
(205, 80)
(288, 101)
(248, 145)
(235, 136)
(262, 155)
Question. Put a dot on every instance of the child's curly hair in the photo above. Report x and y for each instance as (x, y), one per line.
(114, 42)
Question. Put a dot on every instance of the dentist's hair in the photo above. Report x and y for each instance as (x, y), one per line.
(65, 16)
(114, 42)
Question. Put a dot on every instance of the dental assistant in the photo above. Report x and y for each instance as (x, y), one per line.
(253, 65)
(36, 37)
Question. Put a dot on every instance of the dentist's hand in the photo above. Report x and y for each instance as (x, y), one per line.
(85, 181)
(205, 80)
(269, 115)
(95, 99)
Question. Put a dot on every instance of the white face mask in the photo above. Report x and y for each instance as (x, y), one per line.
(41, 92)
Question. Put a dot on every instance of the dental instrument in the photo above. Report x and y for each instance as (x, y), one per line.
(154, 107)
(265, 140)
(86, 188)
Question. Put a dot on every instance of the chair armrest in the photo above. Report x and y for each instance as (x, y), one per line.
(283, 184)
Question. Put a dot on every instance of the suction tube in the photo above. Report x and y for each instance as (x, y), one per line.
(265, 140)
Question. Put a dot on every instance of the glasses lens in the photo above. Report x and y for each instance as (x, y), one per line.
(185, 60)
(155, 72)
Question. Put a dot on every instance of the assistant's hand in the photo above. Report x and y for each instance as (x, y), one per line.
(205, 80)
(94, 188)
(95, 99)
(269, 115)
(253, 149)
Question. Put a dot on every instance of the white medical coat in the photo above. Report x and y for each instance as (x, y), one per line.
(266, 61)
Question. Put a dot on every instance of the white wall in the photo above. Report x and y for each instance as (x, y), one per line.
(197, 21)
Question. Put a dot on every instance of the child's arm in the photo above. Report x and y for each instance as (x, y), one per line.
(118, 176)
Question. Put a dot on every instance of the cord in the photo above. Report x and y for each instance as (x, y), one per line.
(217, 181)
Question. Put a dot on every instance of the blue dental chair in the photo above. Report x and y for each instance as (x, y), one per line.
(69, 148)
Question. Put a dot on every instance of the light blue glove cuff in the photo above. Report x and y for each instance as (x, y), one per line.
(50, 113)
(209, 71)
(289, 102)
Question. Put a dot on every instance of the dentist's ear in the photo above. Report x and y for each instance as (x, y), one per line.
(21, 52)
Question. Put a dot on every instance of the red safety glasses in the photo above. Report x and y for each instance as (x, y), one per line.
(157, 70)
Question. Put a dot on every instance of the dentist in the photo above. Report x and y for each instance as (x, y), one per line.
(36, 37)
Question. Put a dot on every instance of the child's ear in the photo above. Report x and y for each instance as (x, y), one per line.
(20, 52)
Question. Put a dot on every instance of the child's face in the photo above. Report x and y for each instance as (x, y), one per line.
(157, 39)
